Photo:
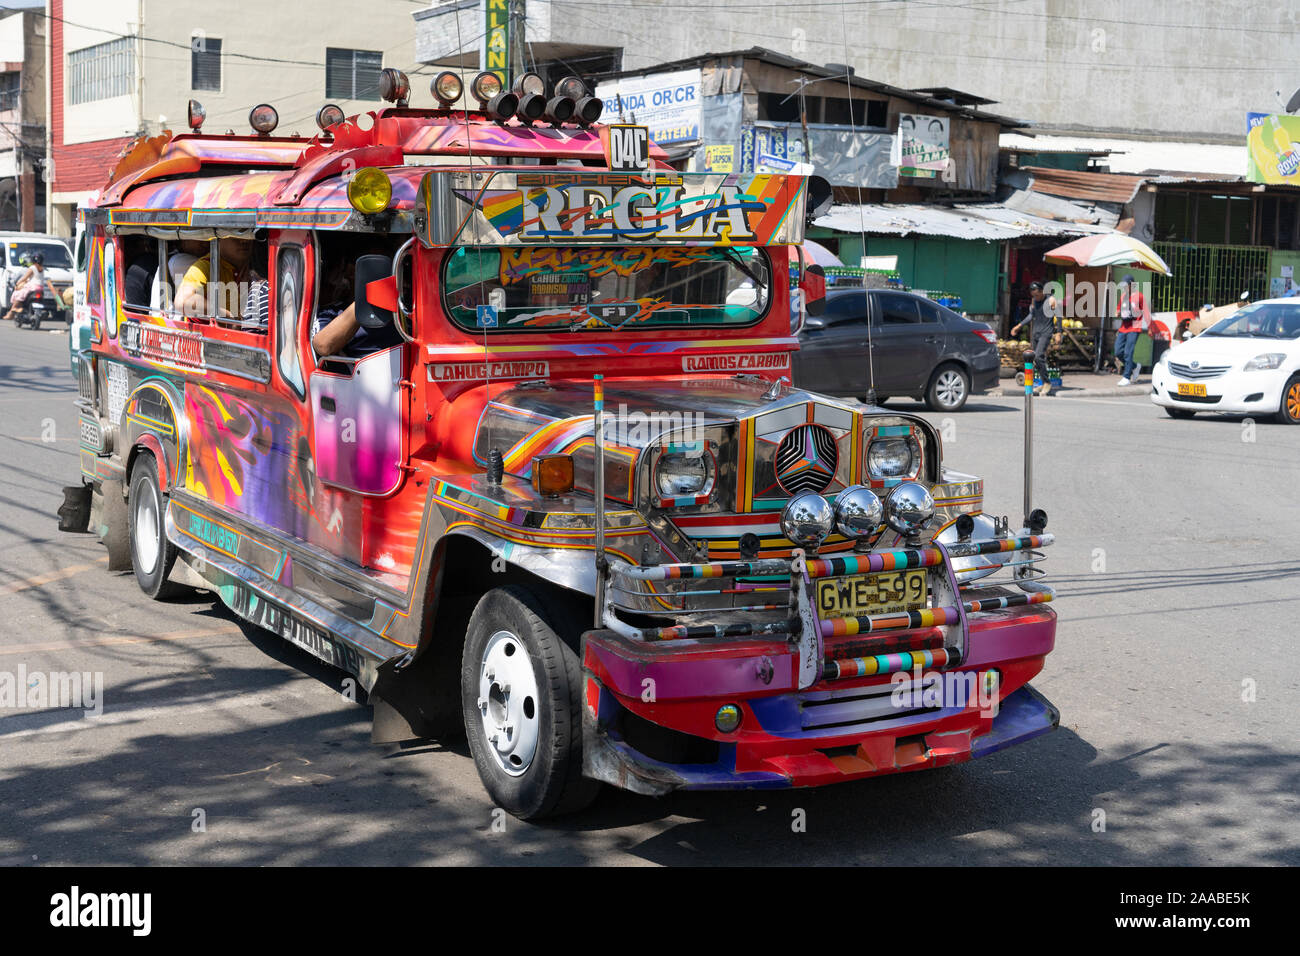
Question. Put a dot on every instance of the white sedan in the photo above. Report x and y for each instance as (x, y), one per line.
(1246, 364)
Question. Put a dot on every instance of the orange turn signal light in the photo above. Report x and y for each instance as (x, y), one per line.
(553, 475)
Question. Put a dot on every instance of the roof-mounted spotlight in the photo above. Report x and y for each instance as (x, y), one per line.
(532, 97)
(394, 87)
(263, 118)
(446, 88)
(588, 110)
(493, 98)
(329, 115)
(559, 109)
(195, 114)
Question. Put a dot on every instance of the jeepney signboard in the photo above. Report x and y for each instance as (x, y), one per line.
(653, 208)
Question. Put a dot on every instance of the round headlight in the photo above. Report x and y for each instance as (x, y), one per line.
(329, 115)
(531, 107)
(370, 190)
(891, 458)
(807, 519)
(263, 118)
(727, 718)
(678, 475)
(486, 86)
(572, 87)
(588, 110)
(908, 508)
(530, 83)
(858, 512)
(446, 87)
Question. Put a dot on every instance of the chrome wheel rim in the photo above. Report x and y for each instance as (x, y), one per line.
(950, 388)
(146, 531)
(508, 704)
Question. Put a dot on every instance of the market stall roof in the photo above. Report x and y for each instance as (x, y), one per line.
(1071, 184)
(1044, 206)
(988, 221)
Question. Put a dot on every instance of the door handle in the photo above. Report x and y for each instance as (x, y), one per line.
(327, 404)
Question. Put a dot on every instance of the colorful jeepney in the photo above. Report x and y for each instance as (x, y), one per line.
(573, 508)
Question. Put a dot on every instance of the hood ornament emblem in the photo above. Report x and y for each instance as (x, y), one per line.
(806, 459)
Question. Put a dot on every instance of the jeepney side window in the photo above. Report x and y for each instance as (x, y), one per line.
(235, 293)
(140, 261)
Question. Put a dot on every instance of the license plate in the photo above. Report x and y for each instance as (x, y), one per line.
(1185, 389)
(857, 595)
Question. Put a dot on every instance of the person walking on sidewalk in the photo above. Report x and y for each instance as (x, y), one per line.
(1044, 330)
(1132, 320)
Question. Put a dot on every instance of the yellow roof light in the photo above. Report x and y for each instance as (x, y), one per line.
(370, 190)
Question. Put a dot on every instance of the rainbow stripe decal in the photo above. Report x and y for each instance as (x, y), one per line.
(886, 663)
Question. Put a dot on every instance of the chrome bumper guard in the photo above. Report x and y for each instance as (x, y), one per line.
(956, 588)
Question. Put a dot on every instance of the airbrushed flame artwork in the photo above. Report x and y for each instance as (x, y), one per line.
(502, 423)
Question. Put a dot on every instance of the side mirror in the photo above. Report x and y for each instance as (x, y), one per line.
(813, 284)
(373, 307)
(820, 198)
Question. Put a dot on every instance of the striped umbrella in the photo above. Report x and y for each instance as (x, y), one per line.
(1110, 249)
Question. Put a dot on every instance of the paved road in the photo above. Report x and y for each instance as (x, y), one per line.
(1197, 529)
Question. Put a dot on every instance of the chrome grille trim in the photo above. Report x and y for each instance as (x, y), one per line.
(1198, 374)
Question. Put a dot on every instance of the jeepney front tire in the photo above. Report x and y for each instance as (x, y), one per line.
(521, 683)
(152, 555)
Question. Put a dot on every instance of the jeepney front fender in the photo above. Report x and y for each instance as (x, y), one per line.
(571, 568)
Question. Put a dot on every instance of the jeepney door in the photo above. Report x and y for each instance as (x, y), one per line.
(357, 417)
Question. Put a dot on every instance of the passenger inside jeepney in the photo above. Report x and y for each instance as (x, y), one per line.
(167, 282)
(198, 295)
(335, 329)
(141, 255)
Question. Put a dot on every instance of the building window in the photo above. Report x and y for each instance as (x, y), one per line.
(205, 63)
(101, 71)
(10, 84)
(352, 74)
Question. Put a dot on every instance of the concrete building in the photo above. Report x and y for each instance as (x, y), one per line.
(22, 121)
(119, 68)
(1164, 68)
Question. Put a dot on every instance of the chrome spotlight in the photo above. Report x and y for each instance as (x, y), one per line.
(858, 512)
(807, 520)
(908, 507)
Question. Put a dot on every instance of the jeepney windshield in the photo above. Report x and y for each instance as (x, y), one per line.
(604, 289)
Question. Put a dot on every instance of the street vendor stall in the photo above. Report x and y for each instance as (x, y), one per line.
(1109, 250)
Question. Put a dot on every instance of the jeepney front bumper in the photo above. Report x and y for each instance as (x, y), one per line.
(947, 688)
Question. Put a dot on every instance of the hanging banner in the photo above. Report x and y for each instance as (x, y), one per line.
(921, 146)
(496, 39)
(668, 103)
(1273, 149)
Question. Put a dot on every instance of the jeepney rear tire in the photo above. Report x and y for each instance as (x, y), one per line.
(152, 555)
(546, 694)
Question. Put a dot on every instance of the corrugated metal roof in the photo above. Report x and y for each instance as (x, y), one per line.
(1071, 184)
(1141, 156)
(988, 221)
(1063, 210)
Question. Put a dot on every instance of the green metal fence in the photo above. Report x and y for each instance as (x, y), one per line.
(1206, 273)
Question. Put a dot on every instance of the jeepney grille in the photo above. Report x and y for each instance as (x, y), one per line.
(853, 707)
(86, 379)
(1197, 374)
(806, 459)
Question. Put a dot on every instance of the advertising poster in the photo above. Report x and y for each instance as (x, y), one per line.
(921, 147)
(1273, 149)
(720, 159)
(667, 103)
